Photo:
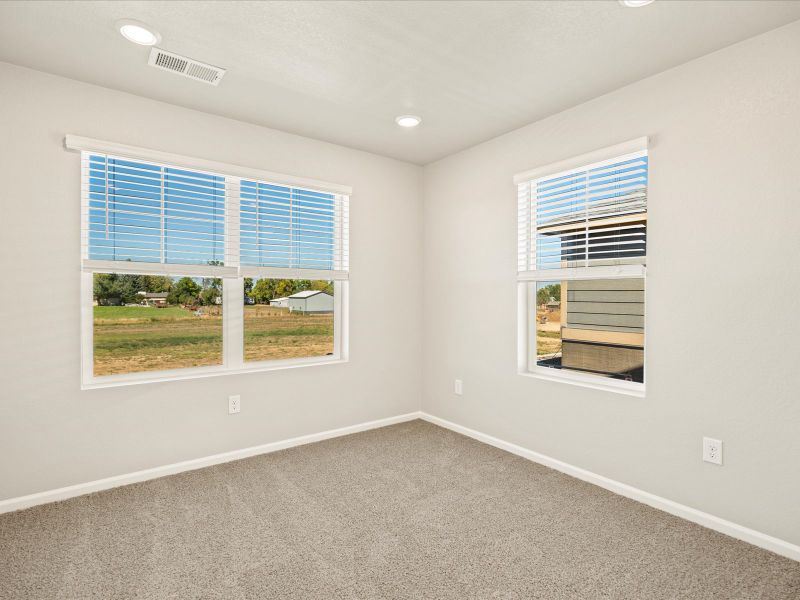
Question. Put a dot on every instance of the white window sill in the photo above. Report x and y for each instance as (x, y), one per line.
(627, 388)
(202, 372)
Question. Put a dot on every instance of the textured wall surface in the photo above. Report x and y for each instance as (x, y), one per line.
(722, 333)
(53, 434)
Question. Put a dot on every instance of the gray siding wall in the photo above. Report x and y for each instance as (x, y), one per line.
(606, 304)
(320, 303)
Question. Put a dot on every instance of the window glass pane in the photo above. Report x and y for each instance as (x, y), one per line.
(154, 323)
(287, 227)
(287, 318)
(150, 213)
(592, 217)
(591, 326)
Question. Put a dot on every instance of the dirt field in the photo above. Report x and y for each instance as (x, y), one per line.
(131, 339)
(548, 334)
(275, 333)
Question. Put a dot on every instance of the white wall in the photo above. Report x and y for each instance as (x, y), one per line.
(723, 285)
(51, 433)
(723, 333)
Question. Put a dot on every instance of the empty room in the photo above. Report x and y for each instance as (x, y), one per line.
(373, 300)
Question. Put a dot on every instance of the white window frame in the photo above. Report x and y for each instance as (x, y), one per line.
(528, 276)
(232, 274)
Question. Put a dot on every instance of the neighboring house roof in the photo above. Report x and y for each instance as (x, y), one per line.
(155, 294)
(278, 299)
(307, 294)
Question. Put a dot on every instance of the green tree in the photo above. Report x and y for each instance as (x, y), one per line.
(286, 287)
(157, 283)
(544, 294)
(209, 295)
(263, 291)
(185, 291)
(322, 286)
(248, 285)
(211, 283)
(113, 287)
(105, 287)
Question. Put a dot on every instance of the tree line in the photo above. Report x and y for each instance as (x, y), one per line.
(112, 288)
(264, 290)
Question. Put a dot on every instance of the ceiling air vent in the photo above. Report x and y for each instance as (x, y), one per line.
(181, 65)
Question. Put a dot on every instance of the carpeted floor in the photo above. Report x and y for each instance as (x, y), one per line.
(408, 511)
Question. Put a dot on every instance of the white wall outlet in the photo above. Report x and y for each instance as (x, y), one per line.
(458, 388)
(712, 450)
(234, 404)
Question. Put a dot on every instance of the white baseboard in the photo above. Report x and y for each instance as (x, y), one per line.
(80, 489)
(734, 530)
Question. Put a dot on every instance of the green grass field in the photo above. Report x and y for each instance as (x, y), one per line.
(116, 313)
(130, 339)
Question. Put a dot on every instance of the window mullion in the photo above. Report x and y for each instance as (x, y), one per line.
(233, 288)
(233, 322)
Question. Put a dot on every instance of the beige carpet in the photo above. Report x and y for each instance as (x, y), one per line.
(408, 511)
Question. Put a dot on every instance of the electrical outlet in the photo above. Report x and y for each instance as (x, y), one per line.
(458, 388)
(234, 404)
(712, 451)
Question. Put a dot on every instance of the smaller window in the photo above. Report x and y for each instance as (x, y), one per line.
(288, 318)
(581, 266)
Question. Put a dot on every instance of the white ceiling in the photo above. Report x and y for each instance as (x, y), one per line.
(341, 71)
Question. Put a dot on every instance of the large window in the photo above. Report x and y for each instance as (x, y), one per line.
(193, 268)
(581, 268)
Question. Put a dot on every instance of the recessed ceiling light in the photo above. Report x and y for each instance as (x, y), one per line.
(138, 33)
(408, 120)
(635, 3)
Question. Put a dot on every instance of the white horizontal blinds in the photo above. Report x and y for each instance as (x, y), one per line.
(292, 228)
(150, 213)
(525, 256)
(341, 255)
(591, 216)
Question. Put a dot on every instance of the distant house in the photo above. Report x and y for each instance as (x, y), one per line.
(154, 298)
(282, 302)
(553, 305)
(311, 302)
